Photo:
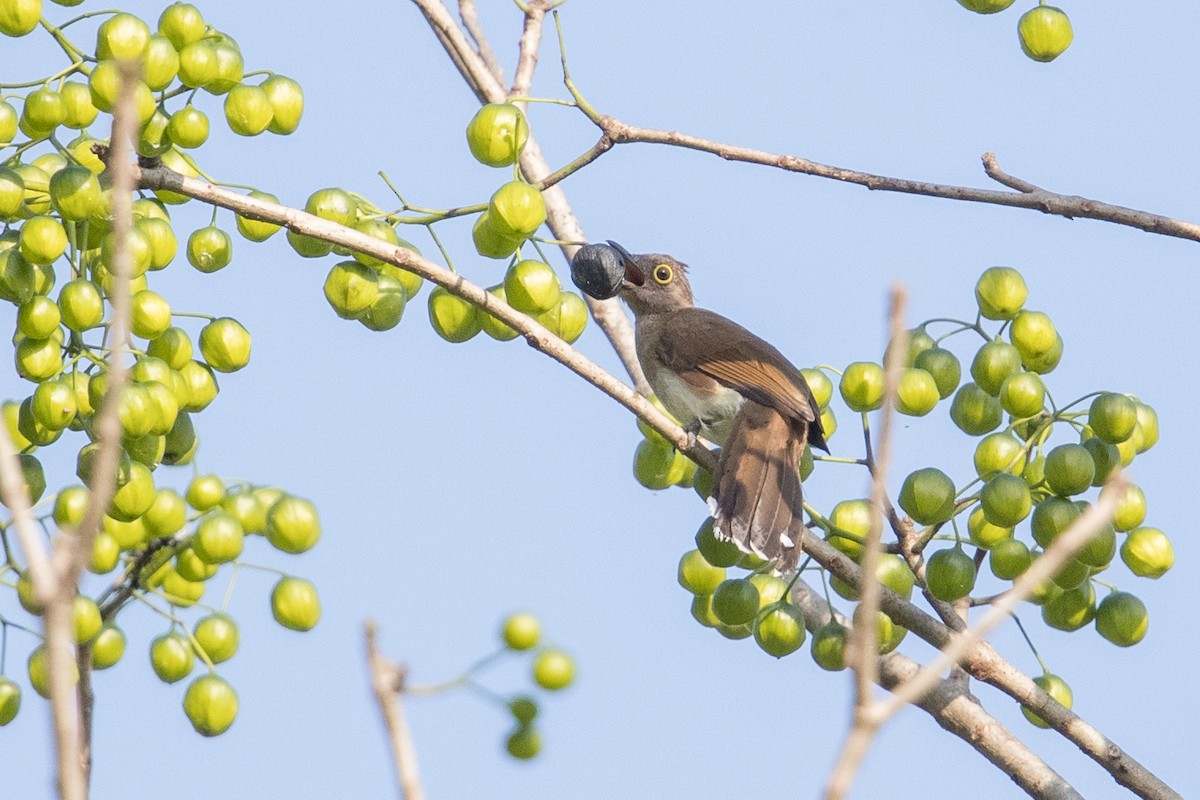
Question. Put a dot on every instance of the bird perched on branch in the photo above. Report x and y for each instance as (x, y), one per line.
(723, 383)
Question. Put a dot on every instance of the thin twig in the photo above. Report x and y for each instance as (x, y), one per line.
(387, 682)
(527, 54)
(470, 18)
(863, 648)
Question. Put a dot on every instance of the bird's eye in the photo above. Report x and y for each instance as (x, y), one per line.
(663, 274)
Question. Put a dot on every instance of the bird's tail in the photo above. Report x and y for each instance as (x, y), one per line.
(756, 486)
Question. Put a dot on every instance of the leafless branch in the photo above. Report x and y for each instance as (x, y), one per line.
(863, 645)
(561, 219)
(470, 18)
(1027, 195)
(527, 57)
(957, 711)
(387, 683)
(983, 663)
(1060, 551)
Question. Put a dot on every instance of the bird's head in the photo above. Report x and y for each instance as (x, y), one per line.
(653, 282)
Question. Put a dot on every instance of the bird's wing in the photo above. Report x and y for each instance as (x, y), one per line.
(701, 340)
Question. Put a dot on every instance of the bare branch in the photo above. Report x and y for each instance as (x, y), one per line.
(470, 18)
(957, 711)
(559, 217)
(527, 57)
(1063, 548)
(387, 682)
(1027, 195)
(983, 663)
(863, 646)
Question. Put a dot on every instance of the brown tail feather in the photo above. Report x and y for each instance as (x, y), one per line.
(756, 486)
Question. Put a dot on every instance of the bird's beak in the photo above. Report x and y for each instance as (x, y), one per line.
(633, 273)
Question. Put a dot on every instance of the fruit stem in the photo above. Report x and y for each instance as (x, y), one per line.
(177, 622)
(1028, 641)
(229, 590)
(68, 47)
(552, 100)
(841, 460)
(56, 76)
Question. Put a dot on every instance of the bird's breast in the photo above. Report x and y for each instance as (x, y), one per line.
(699, 398)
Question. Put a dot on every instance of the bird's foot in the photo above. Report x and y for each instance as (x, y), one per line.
(691, 429)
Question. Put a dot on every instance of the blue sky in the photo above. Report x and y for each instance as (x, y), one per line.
(457, 483)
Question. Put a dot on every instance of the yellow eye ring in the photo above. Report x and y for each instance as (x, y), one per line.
(663, 274)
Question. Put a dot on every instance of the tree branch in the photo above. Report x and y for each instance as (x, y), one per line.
(559, 217)
(983, 663)
(863, 636)
(1027, 195)
(470, 18)
(957, 711)
(151, 174)
(387, 683)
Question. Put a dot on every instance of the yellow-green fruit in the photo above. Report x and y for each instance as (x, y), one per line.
(287, 103)
(75, 192)
(247, 110)
(491, 240)
(209, 249)
(182, 24)
(453, 318)
(985, 6)
(532, 287)
(257, 230)
(553, 670)
(292, 524)
(568, 319)
(521, 631)
(1148, 552)
(217, 635)
(829, 646)
(387, 309)
(219, 538)
(19, 17)
(162, 63)
(108, 646)
(862, 386)
(524, 743)
(492, 325)
(151, 314)
(779, 630)
(295, 605)
(1122, 619)
(497, 134)
(122, 36)
(697, 576)
(351, 288)
(205, 492)
(10, 700)
(1000, 292)
(39, 674)
(1057, 688)
(210, 704)
(1045, 33)
(225, 344)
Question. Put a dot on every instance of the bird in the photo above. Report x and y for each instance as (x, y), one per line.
(723, 383)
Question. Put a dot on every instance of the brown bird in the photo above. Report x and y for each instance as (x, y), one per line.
(731, 387)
